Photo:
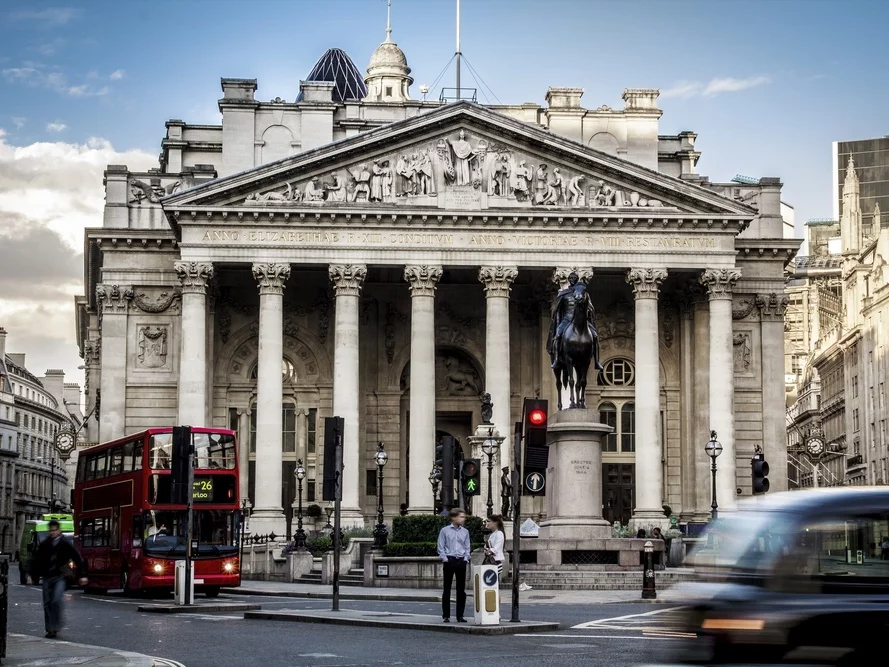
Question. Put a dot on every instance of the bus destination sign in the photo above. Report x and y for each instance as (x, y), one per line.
(202, 490)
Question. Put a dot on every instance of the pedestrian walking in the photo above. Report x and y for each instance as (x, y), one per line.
(496, 540)
(453, 549)
(884, 549)
(56, 563)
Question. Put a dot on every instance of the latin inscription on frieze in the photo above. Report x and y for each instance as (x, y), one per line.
(326, 238)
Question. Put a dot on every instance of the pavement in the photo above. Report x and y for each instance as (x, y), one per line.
(401, 621)
(541, 596)
(26, 650)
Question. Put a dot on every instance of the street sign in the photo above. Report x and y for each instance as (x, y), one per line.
(535, 482)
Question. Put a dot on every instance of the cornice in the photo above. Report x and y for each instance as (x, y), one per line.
(767, 249)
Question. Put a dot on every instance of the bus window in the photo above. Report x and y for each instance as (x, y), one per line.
(137, 456)
(160, 452)
(81, 468)
(137, 531)
(115, 461)
(127, 457)
(214, 451)
(101, 465)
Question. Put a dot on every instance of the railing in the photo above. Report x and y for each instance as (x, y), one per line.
(453, 95)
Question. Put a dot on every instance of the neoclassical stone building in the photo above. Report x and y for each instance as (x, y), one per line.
(363, 254)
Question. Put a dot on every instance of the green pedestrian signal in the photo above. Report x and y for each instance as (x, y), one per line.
(471, 477)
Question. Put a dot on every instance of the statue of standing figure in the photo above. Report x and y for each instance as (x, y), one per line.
(505, 494)
(573, 342)
(465, 156)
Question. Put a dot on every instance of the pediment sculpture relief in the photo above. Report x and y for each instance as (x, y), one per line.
(457, 170)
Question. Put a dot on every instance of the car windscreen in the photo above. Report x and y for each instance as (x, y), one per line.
(43, 534)
(745, 541)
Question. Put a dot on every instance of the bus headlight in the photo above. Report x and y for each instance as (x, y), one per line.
(158, 568)
(228, 567)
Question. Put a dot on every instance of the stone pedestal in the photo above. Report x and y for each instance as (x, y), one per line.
(574, 477)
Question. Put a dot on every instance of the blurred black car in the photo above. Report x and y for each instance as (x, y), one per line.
(794, 577)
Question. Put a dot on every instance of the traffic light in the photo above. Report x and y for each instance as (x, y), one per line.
(535, 414)
(471, 477)
(180, 464)
(760, 468)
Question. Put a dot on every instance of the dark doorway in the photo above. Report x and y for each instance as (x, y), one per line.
(618, 491)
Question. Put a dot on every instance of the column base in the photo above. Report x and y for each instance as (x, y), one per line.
(649, 519)
(574, 528)
(421, 510)
(350, 517)
(268, 520)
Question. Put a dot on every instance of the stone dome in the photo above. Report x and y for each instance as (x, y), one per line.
(388, 55)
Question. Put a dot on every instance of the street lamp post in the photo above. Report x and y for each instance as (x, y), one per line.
(490, 447)
(381, 533)
(299, 539)
(434, 480)
(713, 449)
(329, 511)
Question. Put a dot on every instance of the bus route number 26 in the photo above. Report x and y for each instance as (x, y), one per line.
(202, 489)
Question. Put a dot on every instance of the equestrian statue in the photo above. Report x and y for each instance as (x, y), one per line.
(573, 342)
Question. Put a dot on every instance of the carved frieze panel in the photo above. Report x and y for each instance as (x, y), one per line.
(152, 346)
(157, 299)
(457, 170)
(742, 352)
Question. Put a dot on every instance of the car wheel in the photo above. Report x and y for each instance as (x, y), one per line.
(212, 592)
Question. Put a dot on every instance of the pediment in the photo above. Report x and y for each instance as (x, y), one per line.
(461, 157)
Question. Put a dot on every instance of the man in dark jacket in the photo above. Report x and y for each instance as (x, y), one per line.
(55, 558)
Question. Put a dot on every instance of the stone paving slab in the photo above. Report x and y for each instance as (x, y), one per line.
(30, 651)
(202, 608)
(381, 619)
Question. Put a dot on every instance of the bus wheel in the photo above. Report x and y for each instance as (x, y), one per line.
(212, 592)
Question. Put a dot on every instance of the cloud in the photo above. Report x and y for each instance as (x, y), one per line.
(49, 192)
(56, 127)
(49, 17)
(19, 121)
(37, 76)
(117, 75)
(686, 89)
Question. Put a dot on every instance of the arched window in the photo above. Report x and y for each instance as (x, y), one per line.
(628, 427)
(608, 416)
(288, 371)
(618, 373)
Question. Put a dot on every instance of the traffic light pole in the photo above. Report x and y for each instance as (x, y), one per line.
(336, 522)
(516, 521)
(189, 530)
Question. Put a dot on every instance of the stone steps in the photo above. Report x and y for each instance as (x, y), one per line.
(354, 577)
(599, 580)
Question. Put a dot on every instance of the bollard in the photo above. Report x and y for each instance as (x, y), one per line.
(649, 592)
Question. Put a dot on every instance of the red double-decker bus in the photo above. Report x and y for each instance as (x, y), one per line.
(129, 531)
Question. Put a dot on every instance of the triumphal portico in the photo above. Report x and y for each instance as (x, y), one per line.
(403, 265)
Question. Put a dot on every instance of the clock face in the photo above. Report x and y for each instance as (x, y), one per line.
(65, 441)
(815, 447)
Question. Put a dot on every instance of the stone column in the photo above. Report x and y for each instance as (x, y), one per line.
(193, 398)
(498, 281)
(112, 302)
(244, 453)
(699, 434)
(302, 435)
(422, 280)
(347, 281)
(719, 284)
(649, 471)
(771, 309)
(268, 515)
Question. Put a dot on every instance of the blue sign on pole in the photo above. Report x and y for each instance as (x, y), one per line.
(535, 482)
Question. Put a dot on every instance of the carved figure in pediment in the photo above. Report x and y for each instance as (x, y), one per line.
(336, 189)
(444, 157)
(465, 163)
(140, 191)
(575, 190)
(376, 182)
(270, 196)
(604, 194)
(362, 183)
(312, 191)
(402, 174)
(555, 189)
(521, 181)
(460, 378)
(424, 174)
(386, 180)
(499, 177)
(540, 187)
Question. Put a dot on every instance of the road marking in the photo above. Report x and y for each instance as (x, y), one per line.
(607, 623)
(536, 634)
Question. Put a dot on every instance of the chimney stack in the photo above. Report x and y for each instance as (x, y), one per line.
(2, 343)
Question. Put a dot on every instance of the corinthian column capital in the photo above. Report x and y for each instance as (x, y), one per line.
(646, 282)
(720, 282)
(422, 279)
(771, 306)
(194, 276)
(113, 298)
(561, 274)
(271, 278)
(497, 279)
(347, 279)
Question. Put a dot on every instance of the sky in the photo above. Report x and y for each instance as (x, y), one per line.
(767, 85)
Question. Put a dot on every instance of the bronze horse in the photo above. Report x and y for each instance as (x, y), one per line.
(579, 347)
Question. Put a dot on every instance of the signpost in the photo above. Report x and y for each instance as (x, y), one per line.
(516, 520)
(183, 491)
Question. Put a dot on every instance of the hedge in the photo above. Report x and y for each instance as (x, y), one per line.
(424, 528)
(410, 549)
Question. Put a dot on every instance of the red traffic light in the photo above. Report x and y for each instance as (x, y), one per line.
(470, 469)
(537, 416)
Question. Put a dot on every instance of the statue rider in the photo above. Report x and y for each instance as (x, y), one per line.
(563, 316)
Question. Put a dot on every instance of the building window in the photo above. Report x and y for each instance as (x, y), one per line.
(288, 428)
(855, 420)
(618, 373)
(388, 91)
(311, 428)
(288, 371)
(371, 482)
(628, 427)
(310, 490)
(608, 416)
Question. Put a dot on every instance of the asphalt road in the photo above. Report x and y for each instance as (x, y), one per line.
(609, 634)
